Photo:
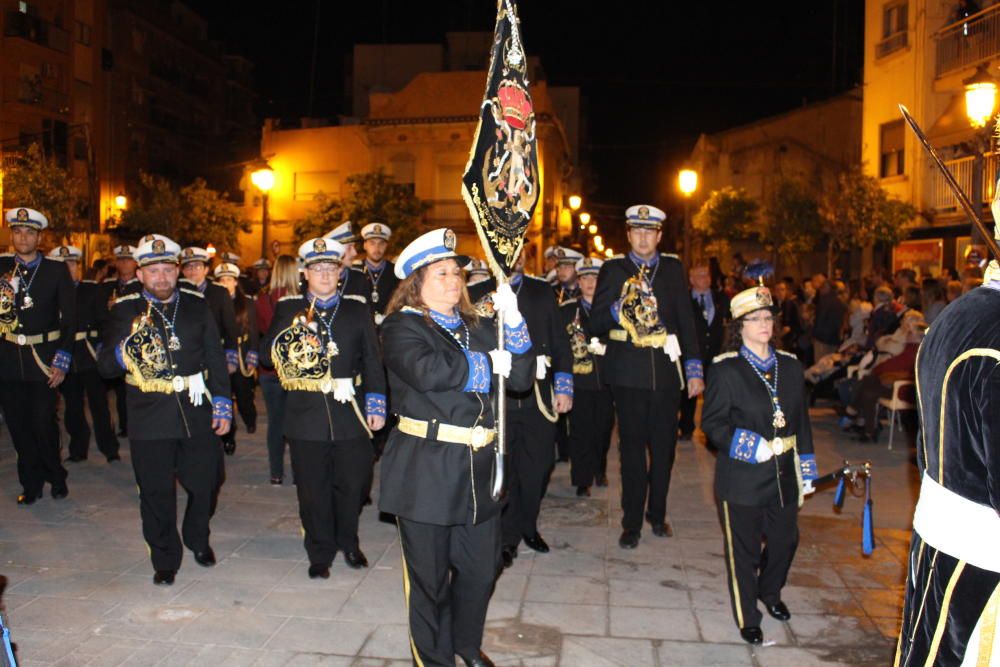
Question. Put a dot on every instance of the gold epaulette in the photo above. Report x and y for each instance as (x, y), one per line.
(568, 302)
(618, 256)
(127, 297)
(89, 282)
(110, 280)
(724, 356)
(356, 297)
(670, 255)
(411, 310)
(787, 354)
(193, 292)
(289, 297)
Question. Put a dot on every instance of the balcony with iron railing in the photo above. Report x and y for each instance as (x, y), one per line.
(18, 24)
(31, 91)
(941, 198)
(969, 42)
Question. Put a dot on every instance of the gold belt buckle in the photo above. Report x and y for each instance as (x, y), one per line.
(778, 446)
(21, 339)
(478, 437)
(178, 382)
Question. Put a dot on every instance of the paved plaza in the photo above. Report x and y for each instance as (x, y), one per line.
(75, 578)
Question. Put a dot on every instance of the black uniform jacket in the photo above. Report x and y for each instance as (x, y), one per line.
(53, 312)
(248, 338)
(711, 335)
(427, 480)
(113, 288)
(736, 398)
(221, 306)
(361, 282)
(159, 416)
(638, 367)
(958, 380)
(91, 317)
(537, 303)
(569, 311)
(313, 415)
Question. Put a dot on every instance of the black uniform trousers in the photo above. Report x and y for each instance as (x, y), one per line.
(243, 393)
(590, 424)
(755, 573)
(530, 457)
(647, 418)
(564, 435)
(688, 407)
(448, 578)
(159, 465)
(329, 476)
(30, 411)
(75, 387)
(121, 409)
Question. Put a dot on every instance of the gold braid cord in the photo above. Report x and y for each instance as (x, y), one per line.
(639, 315)
(299, 358)
(8, 313)
(145, 357)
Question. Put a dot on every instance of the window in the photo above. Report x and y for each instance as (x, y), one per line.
(82, 33)
(22, 7)
(310, 183)
(894, 27)
(891, 151)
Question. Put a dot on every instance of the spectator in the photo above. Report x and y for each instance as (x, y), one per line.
(904, 278)
(829, 322)
(790, 322)
(911, 299)
(884, 319)
(932, 300)
(953, 290)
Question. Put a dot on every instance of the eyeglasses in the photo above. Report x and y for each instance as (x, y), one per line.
(326, 270)
(766, 319)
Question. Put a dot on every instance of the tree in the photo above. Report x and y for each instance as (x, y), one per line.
(371, 197)
(859, 213)
(791, 225)
(39, 183)
(194, 214)
(727, 215)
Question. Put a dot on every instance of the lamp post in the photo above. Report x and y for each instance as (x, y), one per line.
(687, 183)
(980, 106)
(263, 178)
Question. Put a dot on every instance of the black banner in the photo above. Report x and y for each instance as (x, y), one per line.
(501, 184)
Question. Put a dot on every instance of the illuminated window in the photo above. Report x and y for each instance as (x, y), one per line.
(891, 149)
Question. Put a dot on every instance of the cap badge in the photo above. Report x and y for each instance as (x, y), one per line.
(319, 245)
(449, 239)
(22, 215)
(643, 213)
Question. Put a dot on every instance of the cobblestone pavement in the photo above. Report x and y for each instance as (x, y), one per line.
(76, 580)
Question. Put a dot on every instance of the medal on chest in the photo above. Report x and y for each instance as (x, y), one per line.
(28, 301)
(173, 343)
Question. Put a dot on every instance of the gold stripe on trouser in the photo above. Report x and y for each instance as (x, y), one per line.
(943, 617)
(902, 623)
(406, 595)
(735, 587)
(988, 629)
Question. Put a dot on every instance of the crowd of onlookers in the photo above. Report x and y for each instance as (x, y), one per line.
(856, 338)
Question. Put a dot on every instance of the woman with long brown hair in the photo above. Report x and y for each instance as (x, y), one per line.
(242, 380)
(438, 465)
(284, 282)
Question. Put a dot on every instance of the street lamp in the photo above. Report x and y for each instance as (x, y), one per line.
(980, 105)
(585, 218)
(121, 201)
(687, 183)
(575, 202)
(263, 179)
(592, 229)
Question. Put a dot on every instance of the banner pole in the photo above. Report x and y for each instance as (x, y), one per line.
(501, 412)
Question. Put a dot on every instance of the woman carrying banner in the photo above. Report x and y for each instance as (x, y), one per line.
(438, 464)
(755, 413)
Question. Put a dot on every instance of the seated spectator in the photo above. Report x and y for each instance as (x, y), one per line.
(884, 317)
(932, 300)
(849, 351)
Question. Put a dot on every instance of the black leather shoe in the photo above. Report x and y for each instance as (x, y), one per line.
(536, 543)
(276, 481)
(75, 458)
(507, 556)
(28, 498)
(252, 428)
(602, 480)
(114, 457)
(60, 491)
(481, 660)
(629, 539)
(685, 436)
(582, 491)
(356, 559)
(319, 571)
(205, 558)
(662, 529)
(752, 635)
(778, 610)
(164, 577)
(229, 448)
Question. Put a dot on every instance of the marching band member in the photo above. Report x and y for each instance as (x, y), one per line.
(756, 414)
(439, 462)
(247, 343)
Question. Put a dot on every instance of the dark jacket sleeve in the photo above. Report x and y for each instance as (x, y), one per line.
(423, 366)
(562, 354)
(688, 335)
(230, 332)
(254, 334)
(118, 327)
(522, 372)
(803, 434)
(67, 310)
(215, 359)
(372, 373)
(715, 416)
(609, 288)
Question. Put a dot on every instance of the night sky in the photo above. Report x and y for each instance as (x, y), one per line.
(653, 75)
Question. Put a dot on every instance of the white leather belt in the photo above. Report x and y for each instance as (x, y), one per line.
(958, 526)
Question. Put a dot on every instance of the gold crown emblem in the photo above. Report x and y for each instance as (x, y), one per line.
(587, 261)
(377, 229)
(560, 252)
(643, 213)
(319, 245)
(449, 239)
(63, 251)
(159, 246)
(22, 215)
(763, 296)
(188, 252)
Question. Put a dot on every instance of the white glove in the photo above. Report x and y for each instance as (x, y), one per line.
(764, 452)
(343, 389)
(597, 347)
(672, 347)
(196, 389)
(379, 317)
(542, 363)
(502, 361)
(505, 301)
(807, 487)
